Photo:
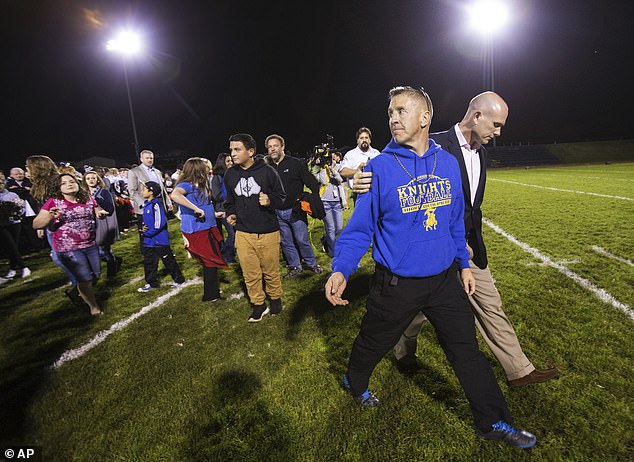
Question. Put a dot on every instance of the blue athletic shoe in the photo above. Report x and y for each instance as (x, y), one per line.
(145, 288)
(502, 431)
(365, 399)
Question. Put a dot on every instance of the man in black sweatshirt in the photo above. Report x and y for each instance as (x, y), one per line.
(293, 222)
(254, 191)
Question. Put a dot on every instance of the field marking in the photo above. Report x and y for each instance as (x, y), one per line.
(75, 353)
(236, 296)
(602, 251)
(589, 170)
(563, 190)
(603, 178)
(599, 292)
(135, 280)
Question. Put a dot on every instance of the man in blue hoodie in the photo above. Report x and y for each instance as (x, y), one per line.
(483, 121)
(413, 216)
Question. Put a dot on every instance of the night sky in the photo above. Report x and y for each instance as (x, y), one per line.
(300, 69)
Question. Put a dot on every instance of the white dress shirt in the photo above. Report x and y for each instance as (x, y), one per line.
(471, 161)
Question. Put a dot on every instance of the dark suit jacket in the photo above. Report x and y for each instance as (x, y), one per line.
(472, 213)
(23, 192)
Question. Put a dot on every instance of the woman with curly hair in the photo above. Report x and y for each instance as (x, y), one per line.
(71, 211)
(43, 174)
(198, 222)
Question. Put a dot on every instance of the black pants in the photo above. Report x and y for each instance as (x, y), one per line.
(151, 257)
(211, 290)
(9, 240)
(392, 304)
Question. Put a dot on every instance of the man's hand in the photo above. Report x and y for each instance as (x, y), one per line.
(101, 214)
(143, 228)
(231, 219)
(362, 182)
(468, 281)
(264, 200)
(219, 214)
(335, 286)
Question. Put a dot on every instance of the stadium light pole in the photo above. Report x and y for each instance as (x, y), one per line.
(488, 17)
(127, 43)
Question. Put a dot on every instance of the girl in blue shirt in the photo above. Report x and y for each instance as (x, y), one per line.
(198, 223)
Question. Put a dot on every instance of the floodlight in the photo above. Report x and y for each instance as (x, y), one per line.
(488, 16)
(126, 43)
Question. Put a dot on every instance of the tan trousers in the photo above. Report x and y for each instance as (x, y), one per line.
(491, 321)
(259, 256)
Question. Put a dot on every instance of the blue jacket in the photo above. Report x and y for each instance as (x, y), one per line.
(416, 227)
(156, 221)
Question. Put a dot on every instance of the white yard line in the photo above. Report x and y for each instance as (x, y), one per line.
(562, 190)
(75, 353)
(237, 296)
(602, 251)
(135, 280)
(603, 178)
(599, 292)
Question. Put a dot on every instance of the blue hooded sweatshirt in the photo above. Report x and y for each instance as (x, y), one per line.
(415, 225)
(156, 221)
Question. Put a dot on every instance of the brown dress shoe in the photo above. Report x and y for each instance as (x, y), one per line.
(537, 376)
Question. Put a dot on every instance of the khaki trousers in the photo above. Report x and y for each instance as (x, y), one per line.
(259, 256)
(491, 321)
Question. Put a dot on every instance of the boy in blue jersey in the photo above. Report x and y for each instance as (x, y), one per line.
(155, 242)
(413, 216)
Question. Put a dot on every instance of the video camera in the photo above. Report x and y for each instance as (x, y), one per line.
(322, 153)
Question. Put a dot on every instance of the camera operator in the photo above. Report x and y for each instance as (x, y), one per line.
(356, 159)
(326, 168)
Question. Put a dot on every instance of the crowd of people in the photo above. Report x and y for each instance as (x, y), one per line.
(417, 203)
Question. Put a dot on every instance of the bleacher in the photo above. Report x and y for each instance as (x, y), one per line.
(505, 156)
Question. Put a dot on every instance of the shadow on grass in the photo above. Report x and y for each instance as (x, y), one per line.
(33, 345)
(28, 292)
(239, 425)
(340, 326)
(314, 303)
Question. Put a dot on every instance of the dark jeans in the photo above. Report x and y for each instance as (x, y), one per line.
(9, 240)
(392, 304)
(151, 257)
(229, 244)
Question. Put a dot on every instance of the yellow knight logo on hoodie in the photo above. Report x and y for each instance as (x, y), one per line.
(425, 193)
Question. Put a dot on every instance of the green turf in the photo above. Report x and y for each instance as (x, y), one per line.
(195, 381)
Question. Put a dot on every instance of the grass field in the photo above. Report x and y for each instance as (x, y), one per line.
(188, 381)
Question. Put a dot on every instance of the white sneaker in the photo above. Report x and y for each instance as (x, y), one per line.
(26, 272)
(11, 274)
